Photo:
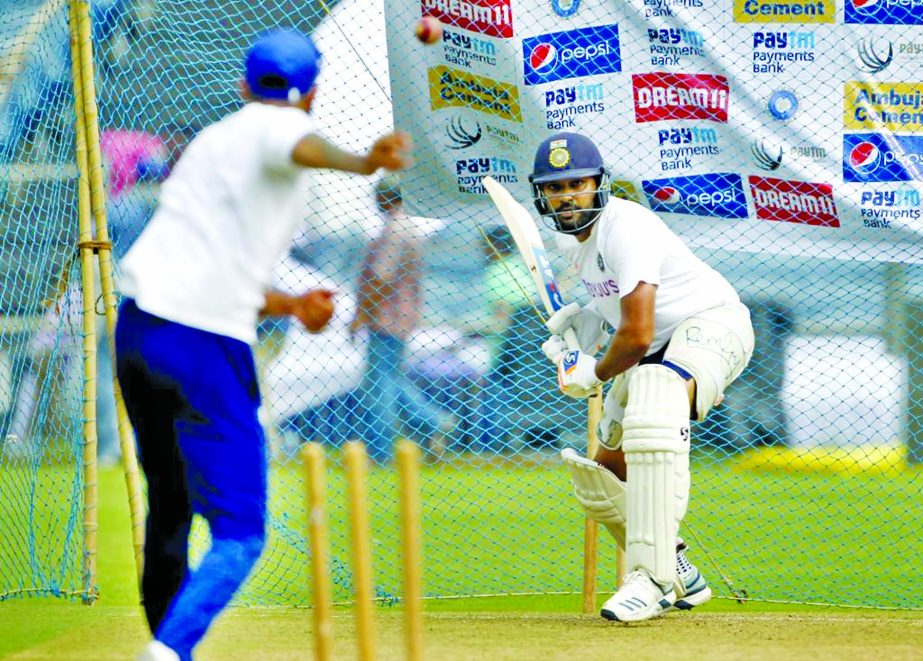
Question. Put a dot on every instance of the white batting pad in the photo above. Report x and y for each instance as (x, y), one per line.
(714, 346)
(599, 492)
(656, 445)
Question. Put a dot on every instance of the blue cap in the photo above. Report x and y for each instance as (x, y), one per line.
(282, 65)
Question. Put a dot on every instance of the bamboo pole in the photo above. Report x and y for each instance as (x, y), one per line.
(82, 28)
(85, 249)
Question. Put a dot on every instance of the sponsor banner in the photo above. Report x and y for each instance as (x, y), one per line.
(463, 132)
(775, 52)
(663, 96)
(720, 195)
(881, 208)
(896, 107)
(491, 17)
(877, 157)
(883, 12)
(571, 54)
(624, 189)
(470, 171)
(675, 47)
(455, 88)
(466, 50)
(684, 148)
(874, 55)
(799, 202)
(567, 106)
(670, 8)
(785, 11)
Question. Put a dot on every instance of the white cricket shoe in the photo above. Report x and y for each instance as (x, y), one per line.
(639, 598)
(696, 591)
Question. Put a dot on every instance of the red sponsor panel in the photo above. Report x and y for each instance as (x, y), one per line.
(794, 201)
(663, 96)
(491, 17)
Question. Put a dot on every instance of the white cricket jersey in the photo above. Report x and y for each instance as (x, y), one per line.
(630, 244)
(226, 216)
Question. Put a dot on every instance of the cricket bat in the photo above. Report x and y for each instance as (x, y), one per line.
(532, 250)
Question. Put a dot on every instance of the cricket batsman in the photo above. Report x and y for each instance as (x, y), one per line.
(681, 337)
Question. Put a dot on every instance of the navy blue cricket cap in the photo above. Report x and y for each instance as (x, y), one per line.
(282, 65)
(566, 156)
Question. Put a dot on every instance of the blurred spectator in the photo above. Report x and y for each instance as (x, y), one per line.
(389, 306)
(505, 291)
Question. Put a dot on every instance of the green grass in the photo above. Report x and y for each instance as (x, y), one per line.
(779, 536)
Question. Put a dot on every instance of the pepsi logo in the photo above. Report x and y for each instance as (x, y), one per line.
(667, 195)
(865, 157)
(543, 57)
(863, 4)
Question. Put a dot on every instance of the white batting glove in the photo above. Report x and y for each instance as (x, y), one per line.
(589, 327)
(553, 347)
(577, 374)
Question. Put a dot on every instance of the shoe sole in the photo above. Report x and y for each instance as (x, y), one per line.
(658, 609)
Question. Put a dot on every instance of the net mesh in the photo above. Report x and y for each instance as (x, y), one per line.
(805, 486)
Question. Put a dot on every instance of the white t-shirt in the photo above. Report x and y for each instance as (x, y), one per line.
(226, 216)
(630, 244)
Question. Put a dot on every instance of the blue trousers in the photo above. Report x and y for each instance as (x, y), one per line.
(389, 398)
(192, 397)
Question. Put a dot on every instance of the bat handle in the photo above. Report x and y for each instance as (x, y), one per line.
(570, 338)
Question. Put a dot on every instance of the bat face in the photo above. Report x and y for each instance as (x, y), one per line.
(529, 242)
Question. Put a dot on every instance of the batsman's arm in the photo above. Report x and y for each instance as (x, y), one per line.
(634, 335)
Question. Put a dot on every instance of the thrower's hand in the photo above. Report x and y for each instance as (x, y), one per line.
(391, 152)
(314, 309)
(577, 374)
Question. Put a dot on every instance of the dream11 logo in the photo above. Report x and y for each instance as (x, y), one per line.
(662, 96)
(493, 18)
(800, 202)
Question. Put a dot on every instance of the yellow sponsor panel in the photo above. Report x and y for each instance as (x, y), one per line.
(895, 107)
(450, 87)
(784, 11)
(624, 189)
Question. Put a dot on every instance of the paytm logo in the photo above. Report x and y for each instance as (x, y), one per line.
(800, 202)
(884, 12)
(720, 195)
(572, 54)
(882, 157)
